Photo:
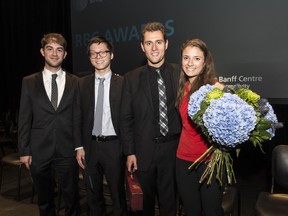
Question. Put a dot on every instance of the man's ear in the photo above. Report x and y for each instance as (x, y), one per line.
(142, 47)
(65, 55)
(166, 44)
(42, 51)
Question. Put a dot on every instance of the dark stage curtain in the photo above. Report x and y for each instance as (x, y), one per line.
(23, 23)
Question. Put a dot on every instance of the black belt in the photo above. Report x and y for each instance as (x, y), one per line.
(162, 139)
(104, 138)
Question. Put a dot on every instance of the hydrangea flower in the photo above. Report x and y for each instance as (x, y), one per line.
(228, 118)
(272, 118)
(197, 98)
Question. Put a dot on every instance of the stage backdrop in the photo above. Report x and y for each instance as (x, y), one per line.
(248, 38)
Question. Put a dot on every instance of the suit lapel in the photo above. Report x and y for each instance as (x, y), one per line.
(91, 87)
(145, 85)
(113, 94)
(68, 86)
(173, 80)
(41, 89)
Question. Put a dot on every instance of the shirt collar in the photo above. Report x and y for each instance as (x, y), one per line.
(47, 74)
(107, 76)
(151, 68)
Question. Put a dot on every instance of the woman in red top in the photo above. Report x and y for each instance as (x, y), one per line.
(197, 70)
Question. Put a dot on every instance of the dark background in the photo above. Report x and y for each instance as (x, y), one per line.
(247, 38)
(23, 23)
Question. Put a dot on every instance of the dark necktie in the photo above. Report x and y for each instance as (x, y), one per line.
(163, 118)
(54, 91)
(97, 129)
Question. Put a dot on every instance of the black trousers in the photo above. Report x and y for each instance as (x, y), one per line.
(44, 182)
(198, 199)
(106, 158)
(159, 180)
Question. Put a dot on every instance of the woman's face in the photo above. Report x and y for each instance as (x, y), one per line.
(192, 62)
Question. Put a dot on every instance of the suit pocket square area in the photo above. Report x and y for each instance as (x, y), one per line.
(133, 191)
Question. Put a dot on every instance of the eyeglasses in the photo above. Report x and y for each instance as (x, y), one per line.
(102, 54)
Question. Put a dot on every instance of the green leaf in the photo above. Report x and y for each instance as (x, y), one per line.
(263, 126)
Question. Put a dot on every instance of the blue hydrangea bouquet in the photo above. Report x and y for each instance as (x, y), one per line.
(229, 117)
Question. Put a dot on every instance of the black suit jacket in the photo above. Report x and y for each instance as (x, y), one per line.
(138, 125)
(87, 90)
(42, 131)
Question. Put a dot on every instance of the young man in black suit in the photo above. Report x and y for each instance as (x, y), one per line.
(49, 128)
(149, 129)
(100, 126)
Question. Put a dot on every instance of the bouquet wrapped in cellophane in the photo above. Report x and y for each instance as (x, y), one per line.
(229, 117)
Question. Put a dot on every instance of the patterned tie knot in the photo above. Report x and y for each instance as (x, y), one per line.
(54, 76)
(158, 72)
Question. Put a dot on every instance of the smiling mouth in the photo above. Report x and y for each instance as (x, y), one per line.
(191, 69)
(99, 62)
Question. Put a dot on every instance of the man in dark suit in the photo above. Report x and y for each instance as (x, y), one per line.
(149, 144)
(101, 140)
(49, 127)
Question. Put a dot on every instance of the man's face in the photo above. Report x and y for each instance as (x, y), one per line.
(54, 54)
(100, 58)
(154, 47)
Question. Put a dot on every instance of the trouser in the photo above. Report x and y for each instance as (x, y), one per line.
(159, 180)
(198, 198)
(44, 182)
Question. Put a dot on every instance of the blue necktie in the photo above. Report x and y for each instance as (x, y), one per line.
(97, 129)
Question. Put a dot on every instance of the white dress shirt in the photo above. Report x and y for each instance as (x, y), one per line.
(60, 80)
(107, 125)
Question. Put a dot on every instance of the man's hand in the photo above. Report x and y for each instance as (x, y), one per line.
(27, 160)
(131, 163)
(80, 157)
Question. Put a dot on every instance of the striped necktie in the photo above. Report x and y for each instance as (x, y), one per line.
(163, 118)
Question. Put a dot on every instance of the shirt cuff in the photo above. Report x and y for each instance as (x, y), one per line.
(81, 147)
